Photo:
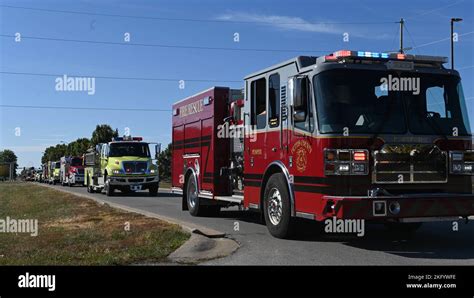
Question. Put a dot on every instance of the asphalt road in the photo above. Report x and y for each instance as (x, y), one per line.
(433, 244)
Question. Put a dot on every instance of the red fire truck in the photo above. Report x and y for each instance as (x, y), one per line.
(352, 135)
(71, 171)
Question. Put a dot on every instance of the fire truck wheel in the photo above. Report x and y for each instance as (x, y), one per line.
(277, 207)
(109, 189)
(194, 205)
(153, 190)
(90, 189)
(213, 210)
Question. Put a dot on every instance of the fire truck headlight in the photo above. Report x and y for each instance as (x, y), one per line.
(468, 168)
(457, 168)
(152, 171)
(331, 155)
(462, 162)
(343, 168)
(358, 167)
(346, 161)
(116, 172)
(394, 208)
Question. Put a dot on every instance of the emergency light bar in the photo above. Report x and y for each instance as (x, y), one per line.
(341, 55)
(127, 138)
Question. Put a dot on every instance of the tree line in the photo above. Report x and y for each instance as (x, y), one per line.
(102, 134)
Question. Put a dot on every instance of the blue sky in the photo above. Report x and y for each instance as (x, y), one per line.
(284, 25)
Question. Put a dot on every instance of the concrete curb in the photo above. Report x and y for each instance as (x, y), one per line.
(200, 248)
(204, 244)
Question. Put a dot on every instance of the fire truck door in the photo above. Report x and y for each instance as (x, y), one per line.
(255, 140)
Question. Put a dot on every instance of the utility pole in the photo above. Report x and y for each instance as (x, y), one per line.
(453, 20)
(402, 22)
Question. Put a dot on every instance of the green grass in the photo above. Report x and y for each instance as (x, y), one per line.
(77, 231)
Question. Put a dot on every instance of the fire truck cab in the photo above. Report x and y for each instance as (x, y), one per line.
(352, 135)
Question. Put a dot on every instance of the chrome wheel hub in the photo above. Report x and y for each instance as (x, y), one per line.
(192, 194)
(274, 207)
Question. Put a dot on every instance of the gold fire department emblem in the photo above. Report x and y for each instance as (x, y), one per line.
(300, 151)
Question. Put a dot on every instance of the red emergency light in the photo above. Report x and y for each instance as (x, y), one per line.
(360, 155)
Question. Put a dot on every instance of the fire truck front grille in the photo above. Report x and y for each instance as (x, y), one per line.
(404, 164)
(135, 166)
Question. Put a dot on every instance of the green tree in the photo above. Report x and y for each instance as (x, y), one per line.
(54, 153)
(164, 163)
(9, 156)
(78, 147)
(102, 134)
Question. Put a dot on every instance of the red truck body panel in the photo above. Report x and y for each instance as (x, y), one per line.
(195, 142)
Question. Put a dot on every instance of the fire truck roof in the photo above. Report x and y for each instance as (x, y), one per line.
(301, 62)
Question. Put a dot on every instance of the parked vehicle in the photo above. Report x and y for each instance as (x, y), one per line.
(38, 175)
(71, 171)
(123, 164)
(54, 172)
(46, 171)
(330, 136)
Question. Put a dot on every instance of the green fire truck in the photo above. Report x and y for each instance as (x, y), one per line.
(123, 164)
(54, 172)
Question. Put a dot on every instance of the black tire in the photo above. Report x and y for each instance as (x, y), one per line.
(90, 189)
(403, 228)
(213, 210)
(192, 199)
(109, 189)
(277, 208)
(153, 190)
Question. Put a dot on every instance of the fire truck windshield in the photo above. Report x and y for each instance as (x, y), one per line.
(129, 149)
(368, 101)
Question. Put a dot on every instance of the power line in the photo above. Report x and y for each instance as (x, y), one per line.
(465, 67)
(161, 45)
(120, 78)
(83, 108)
(439, 8)
(189, 19)
(441, 40)
(433, 10)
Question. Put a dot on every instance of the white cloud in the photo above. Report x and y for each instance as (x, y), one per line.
(282, 22)
(300, 24)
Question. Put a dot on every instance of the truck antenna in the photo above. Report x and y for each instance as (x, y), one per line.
(402, 22)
